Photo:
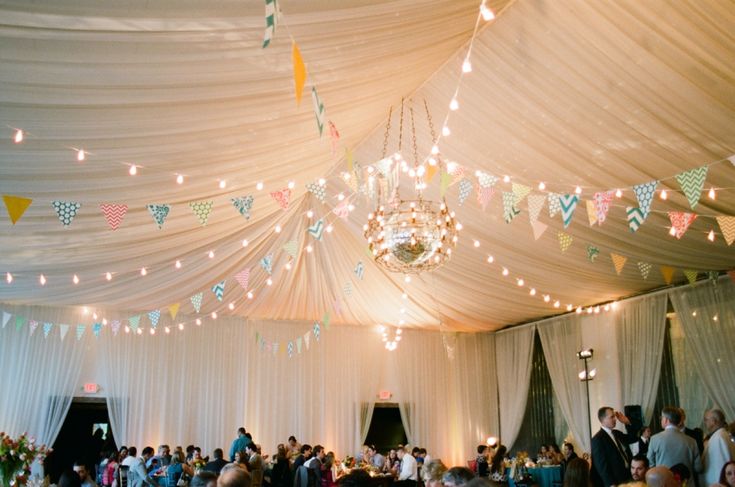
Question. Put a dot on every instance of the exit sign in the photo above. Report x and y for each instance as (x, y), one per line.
(91, 388)
(384, 395)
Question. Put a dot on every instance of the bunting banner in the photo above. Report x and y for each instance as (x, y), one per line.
(63, 330)
(645, 269)
(307, 337)
(80, 331)
(6, 318)
(342, 210)
(602, 205)
(317, 229)
(114, 214)
(554, 204)
(535, 205)
(457, 171)
(219, 290)
(635, 218)
(509, 211)
(159, 213)
(318, 110)
(326, 320)
(47, 329)
(538, 229)
(267, 264)
(196, 301)
(317, 330)
(271, 20)
(282, 197)
(486, 180)
(16, 206)
(243, 205)
(465, 188)
(154, 317)
(692, 184)
(96, 329)
(289, 349)
(619, 262)
(691, 275)
(727, 226)
(431, 172)
(318, 190)
(115, 325)
(484, 195)
(520, 191)
(347, 288)
(134, 321)
(713, 275)
(19, 321)
(299, 72)
(298, 344)
(333, 136)
(201, 209)
(291, 248)
(360, 270)
(667, 273)
(645, 192)
(337, 306)
(680, 221)
(565, 240)
(173, 310)
(591, 212)
(568, 204)
(32, 324)
(66, 211)
(243, 278)
(446, 178)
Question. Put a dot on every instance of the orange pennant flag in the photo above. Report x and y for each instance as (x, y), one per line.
(299, 71)
(619, 262)
(16, 205)
(431, 172)
(173, 310)
(668, 273)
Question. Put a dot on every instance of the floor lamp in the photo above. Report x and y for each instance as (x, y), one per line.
(586, 376)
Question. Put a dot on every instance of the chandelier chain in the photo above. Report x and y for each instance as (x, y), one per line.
(413, 136)
(387, 132)
(431, 123)
(400, 129)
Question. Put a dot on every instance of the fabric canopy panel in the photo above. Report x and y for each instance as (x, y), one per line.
(574, 94)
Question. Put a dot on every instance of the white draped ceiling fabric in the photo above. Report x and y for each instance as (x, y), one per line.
(574, 94)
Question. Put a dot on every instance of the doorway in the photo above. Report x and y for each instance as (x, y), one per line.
(386, 428)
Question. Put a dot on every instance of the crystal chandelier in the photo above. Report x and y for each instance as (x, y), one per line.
(414, 235)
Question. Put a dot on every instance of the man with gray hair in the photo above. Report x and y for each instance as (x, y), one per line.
(671, 446)
(718, 449)
(233, 475)
(661, 477)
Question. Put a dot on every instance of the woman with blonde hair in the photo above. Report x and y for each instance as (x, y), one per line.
(432, 472)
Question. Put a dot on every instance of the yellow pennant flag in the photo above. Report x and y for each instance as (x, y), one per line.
(668, 273)
(591, 212)
(348, 156)
(619, 262)
(691, 275)
(727, 225)
(173, 310)
(431, 172)
(299, 71)
(16, 205)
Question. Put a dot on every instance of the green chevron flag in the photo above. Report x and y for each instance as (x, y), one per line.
(692, 183)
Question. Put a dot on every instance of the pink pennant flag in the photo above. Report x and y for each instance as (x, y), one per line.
(538, 229)
(342, 210)
(680, 221)
(484, 195)
(115, 325)
(333, 136)
(282, 197)
(602, 205)
(33, 325)
(114, 214)
(243, 278)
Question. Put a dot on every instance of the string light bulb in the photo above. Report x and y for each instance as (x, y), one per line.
(143, 271)
(711, 193)
(434, 149)
(578, 190)
(309, 214)
(250, 295)
(505, 271)
(245, 242)
(618, 193)
(277, 229)
(309, 248)
(8, 277)
(259, 186)
(291, 185)
(520, 282)
(664, 196)
(490, 259)
(211, 254)
(133, 170)
(506, 179)
(329, 228)
(711, 236)
(487, 14)
(179, 179)
(269, 281)
(532, 291)
(42, 280)
(541, 186)
(454, 104)
(467, 66)
(198, 322)
(178, 264)
(75, 279)
(108, 276)
(81, 155)
(547, 298)
(214, 315)
(445, 131)
(181, 325)
(18, 137)
(222, 184)
(231, 306)
(672, 231)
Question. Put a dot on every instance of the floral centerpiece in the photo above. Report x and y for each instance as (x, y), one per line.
(16, 456)
(519, 470)
(198, 464)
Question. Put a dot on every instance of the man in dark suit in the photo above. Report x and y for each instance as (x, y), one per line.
(610, 452)
(215, 466)
(696, 434)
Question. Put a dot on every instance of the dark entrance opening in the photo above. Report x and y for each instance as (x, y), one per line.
(386, 428)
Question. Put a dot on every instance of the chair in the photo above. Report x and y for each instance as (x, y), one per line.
(122, 475)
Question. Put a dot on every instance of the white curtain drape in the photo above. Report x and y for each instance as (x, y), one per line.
(706, 312)
(693, 397)
(561, 339)
(38, 375)
(640, 325)
(514, 351)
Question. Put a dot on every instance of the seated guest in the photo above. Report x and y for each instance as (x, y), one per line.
(376, 459)
(218, 462)
(457, 476)
(303, 456)
(81, 470)
(569, 454)
(639, 467)
(497, 465)
(681, 472)
(233, 476)
(408, 473)
(176, 469)
(483, 467)
(432, 472)
(555, 455)
(392, 463)
(163, 457)
(129, 458)
(315, 463)
(329, 477)
(203, 478)
(660, 477)
(281, 475)
(644, 437)
(577, 474)
(727, 475)
(138, 475)
(424, 456)
(293, 448)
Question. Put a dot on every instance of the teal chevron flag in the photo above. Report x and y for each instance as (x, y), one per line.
(317, 229)
(219, 290)
(568, 204)
(692, 183)
(635, 218)
(319, 111)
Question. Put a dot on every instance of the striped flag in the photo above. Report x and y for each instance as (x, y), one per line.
(271, 20)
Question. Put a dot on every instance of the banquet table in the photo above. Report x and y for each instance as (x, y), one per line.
(542, 476)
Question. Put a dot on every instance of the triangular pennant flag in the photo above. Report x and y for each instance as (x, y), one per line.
(289, 349)
(267, 263)
(317, 330)
(486, 180)
(337, 306)
(325, 320)
(201, 209)
(484, 195)
(134, 321)
(196, 301)
(635, 218)
(96, 328)
(520, 191)
(291, 247)
(159, 213)
(282, 197)
(619, 262)
(668, 273)
(360, 270)
(318, 111)
(691, 275)
(692, 183)
(645, 192)
(307, 337)
(592, 252)
(19, 321)
(732, 160)
(602, 205)
(16, 206)
(568, 204)
(6, 318)
(298, 344)
(457, 171)
(317, 229)
(538, 229)
(465, 188)
(271, 20)
(318, 190)
(446, 178)
(276, 348)
(32, 324)
(681, 221)
(535, 205)
(80, 331)
(173, 310)
(727, 226)
(115, 325)
(257, 337)
(645, 268)
(47, 329)
(154, 316)
(114, 214)
(554, 204)
(713, 275)
(347, 288)
(66, 211)
(732, 273)
(565, 240)
(431, 172)
(243, 278)
(509, 211)
(63, 330)
(299, 71)
(243, 205)
(219, 290)
(591, 212)
(333, 136)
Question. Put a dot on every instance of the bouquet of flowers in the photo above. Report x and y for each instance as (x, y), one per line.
(197, 464)
(16, 456)
(519, 471)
